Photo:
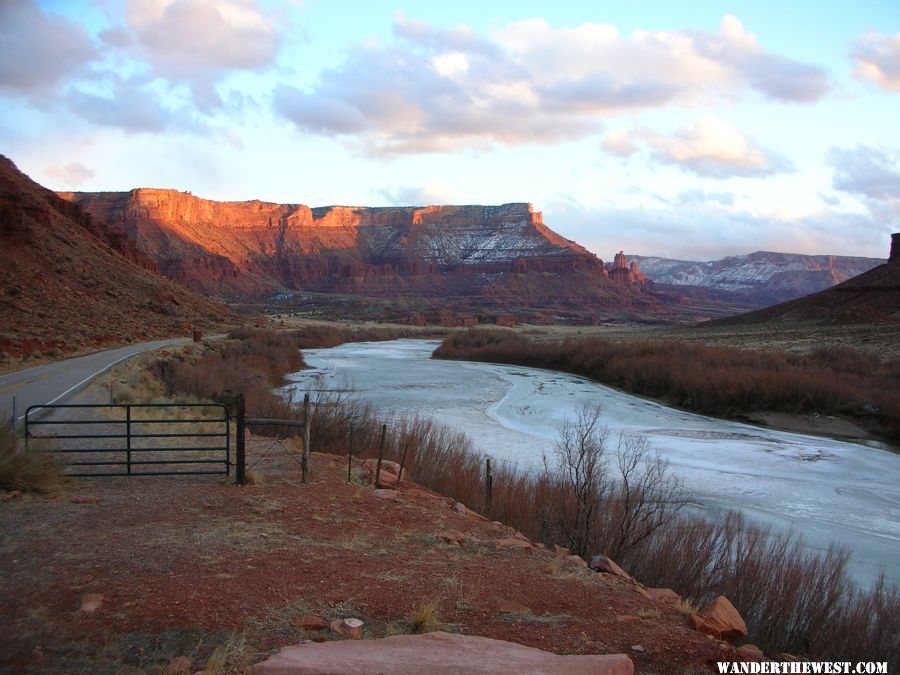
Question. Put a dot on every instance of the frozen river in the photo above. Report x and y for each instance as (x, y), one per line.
(829, 491)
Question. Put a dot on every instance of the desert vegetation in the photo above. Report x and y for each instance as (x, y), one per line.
(597, 495)
(719, 381)
(34, 471)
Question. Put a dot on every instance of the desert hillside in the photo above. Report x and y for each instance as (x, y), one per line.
(67, 284)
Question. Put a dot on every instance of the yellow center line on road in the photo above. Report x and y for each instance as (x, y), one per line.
(19, 385)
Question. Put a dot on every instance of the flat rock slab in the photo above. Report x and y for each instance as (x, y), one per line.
(441, 653)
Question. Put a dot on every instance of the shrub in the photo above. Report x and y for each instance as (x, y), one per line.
(33, 470)
(712, 380)
(426, 618)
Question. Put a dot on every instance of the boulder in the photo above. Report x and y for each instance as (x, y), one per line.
(462, 510)
(561, 551)
(600, 563)
(577, 560)
(514, 542)
(664, 595)
(349, 628)
(719, 619)
(438, 653)
(310, 622)
(389, 476)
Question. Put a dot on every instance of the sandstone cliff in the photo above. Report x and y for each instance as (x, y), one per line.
(253, 247)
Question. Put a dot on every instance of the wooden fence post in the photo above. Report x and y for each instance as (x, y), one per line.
(402, 462)
(488, 487)
(380, 455)
(350, 455)
(240, 467)
(304, 462)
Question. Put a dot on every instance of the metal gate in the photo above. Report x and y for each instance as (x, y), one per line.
(135, 439)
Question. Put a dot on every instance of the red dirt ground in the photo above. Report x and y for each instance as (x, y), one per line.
(187, 566)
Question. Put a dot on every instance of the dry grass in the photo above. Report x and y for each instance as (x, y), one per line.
(32, 470)
(234, 656)
(426, 618)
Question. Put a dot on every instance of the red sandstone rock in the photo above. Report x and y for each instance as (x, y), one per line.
(600, 563)
(436, 653)
(719, 619)
(349, 628)
(514, 542)
(388, 476)
(462, 510)
(665, 595)
(311, 622)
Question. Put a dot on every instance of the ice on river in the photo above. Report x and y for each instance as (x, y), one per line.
(830, 491)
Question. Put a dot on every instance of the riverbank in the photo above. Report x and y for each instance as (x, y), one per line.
(814, 391)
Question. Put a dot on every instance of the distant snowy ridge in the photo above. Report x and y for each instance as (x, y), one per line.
(773, 276)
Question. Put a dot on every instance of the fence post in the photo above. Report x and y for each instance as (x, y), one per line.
(128, 438)
(350, 455)
(240, 461)
(380, 455)
(402, 462)
(304, 462)
(488, 487)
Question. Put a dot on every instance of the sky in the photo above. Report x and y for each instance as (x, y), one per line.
(689, 130)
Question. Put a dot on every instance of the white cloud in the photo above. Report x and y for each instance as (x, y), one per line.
(126, 105)
(437, 90)
(619, 142)
(877, 59)
(710, 148)
(40, 51)
(870, 172)
(199, 41)
(871, 175)
(417, 196)
(714, 149)
(72, 175)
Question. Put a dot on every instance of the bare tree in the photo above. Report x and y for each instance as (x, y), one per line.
(596, 511)
(582, 469)
(646, 498)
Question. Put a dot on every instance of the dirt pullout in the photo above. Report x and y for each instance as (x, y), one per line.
(123, 574)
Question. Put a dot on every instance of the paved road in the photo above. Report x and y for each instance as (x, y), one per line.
(54, 382)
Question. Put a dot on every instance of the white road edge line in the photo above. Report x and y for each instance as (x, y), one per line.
(88, 379)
